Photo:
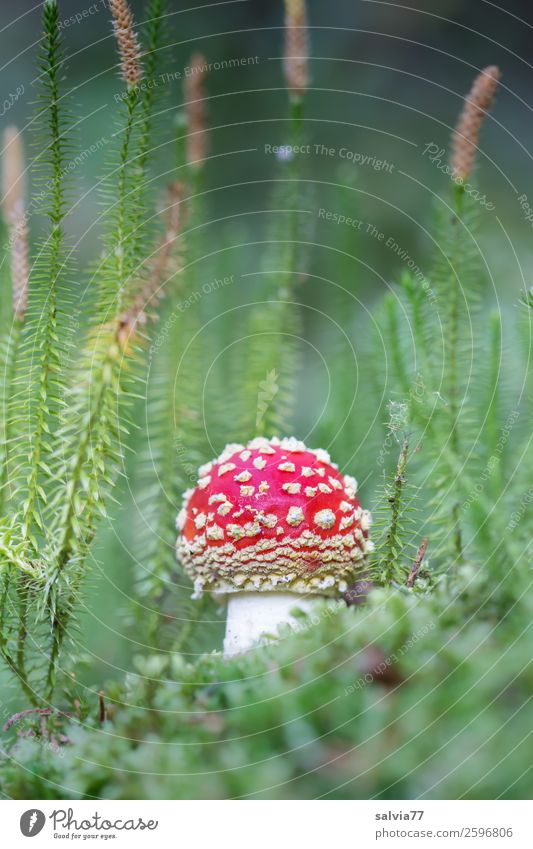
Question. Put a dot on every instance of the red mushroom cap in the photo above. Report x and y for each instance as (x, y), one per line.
(272, 515)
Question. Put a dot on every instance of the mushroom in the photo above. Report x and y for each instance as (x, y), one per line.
(270, 525)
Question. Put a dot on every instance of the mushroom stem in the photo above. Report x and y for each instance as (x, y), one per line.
(254, 618)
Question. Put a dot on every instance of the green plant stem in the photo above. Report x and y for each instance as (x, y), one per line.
(121, 244)
(452, 358)
(22, 631)
(48, 361)
(150, 61)
(144, 102)
(100, 384)
(397, 357)
(13, 344)
(69, 534)
(284, 319)
(492, 429)
(453, 335)
(188, 629)
(392, 542)
(296, 114)
(21, 679)
(18, 665)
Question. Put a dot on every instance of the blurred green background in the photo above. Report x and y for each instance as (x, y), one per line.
(386, 81)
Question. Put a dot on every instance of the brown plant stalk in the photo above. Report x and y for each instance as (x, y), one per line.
(153, 289)
(415, 568)
(15, 216)
(465, 137)
(296, 56)
(128, 45)
(194, 93)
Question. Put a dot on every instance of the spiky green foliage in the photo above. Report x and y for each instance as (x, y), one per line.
(395, 531)
(175, 437)
(437, 348)
(40, 380)
(38, 364)
(177, 442)
(455, 278)
(95, 428)
(267, 383)
(419, 413)
(73, 414)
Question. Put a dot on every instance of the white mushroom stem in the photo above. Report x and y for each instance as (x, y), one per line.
(254, 618)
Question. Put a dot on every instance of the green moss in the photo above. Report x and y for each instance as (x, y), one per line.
(408, 696)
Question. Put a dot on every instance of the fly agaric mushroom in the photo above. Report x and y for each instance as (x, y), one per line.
(268, 525)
